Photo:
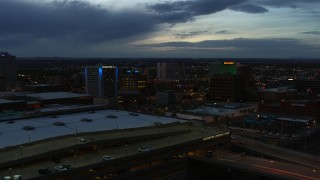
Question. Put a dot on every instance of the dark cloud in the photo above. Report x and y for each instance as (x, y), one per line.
(223, 32)
(249, 8)
(70, 21)
(75, 26)
(285, 3)
(182, 11)
(195, 7)
(311, 32)
(184, 35)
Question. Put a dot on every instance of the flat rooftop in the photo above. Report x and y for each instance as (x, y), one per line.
(221, 108)
(56, 95)
(278, 90)
(6, 101)
(13, 133)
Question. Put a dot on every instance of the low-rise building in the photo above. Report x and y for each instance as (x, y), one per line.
(219, 112)
(277, 94)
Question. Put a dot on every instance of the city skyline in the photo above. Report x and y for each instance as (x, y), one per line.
(164, 29)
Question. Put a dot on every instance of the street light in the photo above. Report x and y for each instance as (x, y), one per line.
(305, 142)
(126, 149)
(75, 139)
(76, 127)
(21, 152)
(75, 133)
(10, 170)
(29, 135)
(74, 160)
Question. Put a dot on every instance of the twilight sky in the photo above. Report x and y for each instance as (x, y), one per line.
(161, 28)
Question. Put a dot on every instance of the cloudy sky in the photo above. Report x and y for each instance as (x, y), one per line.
(161, 28)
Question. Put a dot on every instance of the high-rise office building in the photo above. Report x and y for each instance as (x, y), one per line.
(170, 71)
(132, 79)
(101, 81)
(7, 70)
(227, 87)
(222, 67)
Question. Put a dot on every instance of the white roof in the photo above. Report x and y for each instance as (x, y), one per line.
(56, 95)
(5, 101)
(279, 90)
(304, 120)
(13, 133)
(222, 109)
(211, 111)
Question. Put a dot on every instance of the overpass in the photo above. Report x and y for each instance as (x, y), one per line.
(242, 166)
(275, 152)
(179, 149)
(173, 143)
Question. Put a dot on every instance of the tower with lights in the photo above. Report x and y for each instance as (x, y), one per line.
(101, 81)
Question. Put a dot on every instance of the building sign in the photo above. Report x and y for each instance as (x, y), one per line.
(228, 62)
(107, 67)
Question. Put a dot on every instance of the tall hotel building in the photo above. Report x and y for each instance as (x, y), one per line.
(132, 80)
(225, 83)
(219, 67)
(101, 81)
(7, 71)
(170, 71)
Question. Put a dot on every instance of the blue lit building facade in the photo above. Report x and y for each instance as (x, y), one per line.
(101, 81)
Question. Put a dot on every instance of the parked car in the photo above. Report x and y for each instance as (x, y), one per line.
(7, 178)
(107, 158)
(59, 123)
(82, 140)
(111, 116)
(28, 128)
(63, 167)
(44, 170)
(146, 148)
(17, 177)
(86, 120)
(133, 114)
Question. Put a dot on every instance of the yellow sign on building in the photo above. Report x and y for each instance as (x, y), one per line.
(228, 62)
